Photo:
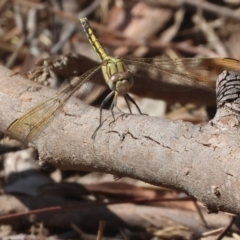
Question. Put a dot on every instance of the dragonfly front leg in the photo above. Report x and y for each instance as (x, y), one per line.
(128, 97)
(128, 105)
(106, 99)
(114, 104)
(104, 102)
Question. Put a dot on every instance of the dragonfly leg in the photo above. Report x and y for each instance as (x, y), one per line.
(132, 100)
(118, 109)
(106, 99)
(114, 104)
(112, 107)
(128, 105)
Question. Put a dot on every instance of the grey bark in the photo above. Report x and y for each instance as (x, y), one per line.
(202, 161)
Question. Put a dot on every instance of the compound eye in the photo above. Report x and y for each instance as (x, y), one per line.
(112, 85)
(128, 77)
(115, 77)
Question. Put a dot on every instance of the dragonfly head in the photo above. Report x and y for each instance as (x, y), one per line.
(121, 82)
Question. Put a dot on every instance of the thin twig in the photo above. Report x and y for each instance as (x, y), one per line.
(213, 8)
(102, 225)
(224, 232)
(85, 205)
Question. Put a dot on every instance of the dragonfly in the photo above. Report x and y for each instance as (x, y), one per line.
(119, 75)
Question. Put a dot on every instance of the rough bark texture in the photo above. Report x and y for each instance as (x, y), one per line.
(203, 161)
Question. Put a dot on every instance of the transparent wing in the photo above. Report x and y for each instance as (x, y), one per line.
(199, 72)
(92, 90)
(29, 125)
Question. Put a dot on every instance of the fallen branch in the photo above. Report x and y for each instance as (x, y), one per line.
(202, 161)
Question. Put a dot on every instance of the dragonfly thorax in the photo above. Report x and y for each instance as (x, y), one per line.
(121, 82)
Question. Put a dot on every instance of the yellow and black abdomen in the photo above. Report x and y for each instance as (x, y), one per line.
(93, 40)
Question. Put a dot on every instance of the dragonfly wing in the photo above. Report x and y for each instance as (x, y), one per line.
(194, 72)
(90, 91)
(27, 127)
